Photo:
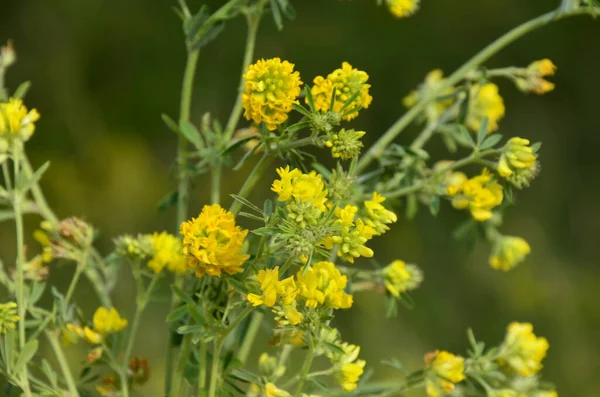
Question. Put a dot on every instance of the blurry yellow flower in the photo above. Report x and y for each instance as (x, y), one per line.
(534, 80)
(108, 321)
(213, 243)
(508, 252)
(479, 194)
(323, 284)
(434, 109)
(377, 216)
(485, 102)
(292, 315)
(8, 317)
(168, 252)
(545, 393)
(273, 391)
(272, 87)
(504, 393)
(543, 67)
(16, 121)
(446, 370)
(522, 351)
(403, 8)
(92, 336)
(518, 162)
(347, 81)
(399, 277)
(349, 374)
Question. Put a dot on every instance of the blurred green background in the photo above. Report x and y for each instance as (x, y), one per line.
(104, 71)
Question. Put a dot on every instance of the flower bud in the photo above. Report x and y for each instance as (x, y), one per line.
(345, 144)
(518, 162)
(8, 317)
(508, 252)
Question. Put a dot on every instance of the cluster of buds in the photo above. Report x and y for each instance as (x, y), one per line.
(67, 239)
(532, 79)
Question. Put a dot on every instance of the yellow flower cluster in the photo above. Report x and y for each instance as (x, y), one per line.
(377, 216)
(167, 252)
(403, 8)
(308, 188)
(347, 367)
(485, 102)
(522, 351)
(8, 317)
(322, 285)
(518, 162)
(105, 322)
(271, 89)
(347, 82)
(16, 121)
(479, 194)
(446, 370)
(350, 240)
(213, 243)
(399, 277)
(508, 252)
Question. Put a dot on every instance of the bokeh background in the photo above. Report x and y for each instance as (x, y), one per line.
(104, 71)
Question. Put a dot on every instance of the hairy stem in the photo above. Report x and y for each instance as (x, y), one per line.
(62, 363)
(388, 137)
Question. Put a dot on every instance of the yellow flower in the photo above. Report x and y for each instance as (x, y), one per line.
(351, 242)
(213, 243)
(108, 321)
(403, 8)
(168, 252)
(480, 195)
(349, 374)
(292, 315)
(446, 370)
(534, 80)
(508, 252)
(545, 393)
(269, 284)
(16, 121)
(485, 102)
(522, 351)
(273, 391)
(346, 215)
(504, 393)
(377, 216)
(518, 162)
(399, 277)
(347, 81)
(543, 67)
(272, 87)
(323, 284)
(8, 317)
(307, 188)
(92, 336)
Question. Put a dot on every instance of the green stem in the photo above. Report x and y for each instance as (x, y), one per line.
(253, 21)
(305, 369)
(250, 336)
(62, 363)
(184, 353)
(388, 137)
(261, 166)
(215, 177)
(214, 372)
(202, 370)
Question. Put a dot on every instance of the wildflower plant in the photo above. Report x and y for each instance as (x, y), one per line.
(301, 259)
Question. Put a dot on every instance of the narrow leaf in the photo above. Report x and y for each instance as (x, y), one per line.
(26, 355)
(21, 90)
(191, 133)
(245, 202)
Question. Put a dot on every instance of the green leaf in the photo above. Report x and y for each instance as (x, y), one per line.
(298, 126)
(267, 208)
(319, 383)
(184, 296)
(276, 14)
(394, 363)
(168, 201)
(26, 355)
(238, 285)
(6, 215)
(483, 130)
(300, 109)
(265, 231)
(490, 141)
(210, 34)
(25, 185)
(245, 202)
(333, 348)
(309, 98)
(192, 26)
(21, 90)
(536, 147)
(170, 123)
(49, 372)
(434, 206)
(287, 9)
(190, 329)
(177, 314)
(251, 216)
(464, 136)
(236, 145)
(36, 292)
(350, 100)
(245, 376)
(191, 133)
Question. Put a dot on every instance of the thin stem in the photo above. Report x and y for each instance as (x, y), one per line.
(214, 372)
(253, 21)
(250, 336)
(255, 175)
(215, 177)
(184, 353)
(305, 369)
(201, 370)
(388, 137)
(62, 363)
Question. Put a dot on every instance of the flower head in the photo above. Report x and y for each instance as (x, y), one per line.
(347, 82)
(168, 252)
(479, 194)
(273, 391)
(403, 8)
(349, 374)
(399, 277)
(323, 285)
(534, 80)
(213, 243)
(377, 216)
(518, 162)
(269, 285)
(345, 144)
(485, 102)
(16, 121)
(271, 88)
(8, 317)
(522, 351)
(508, 252)
(302, 188)
(108, 321)
(446, 370)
